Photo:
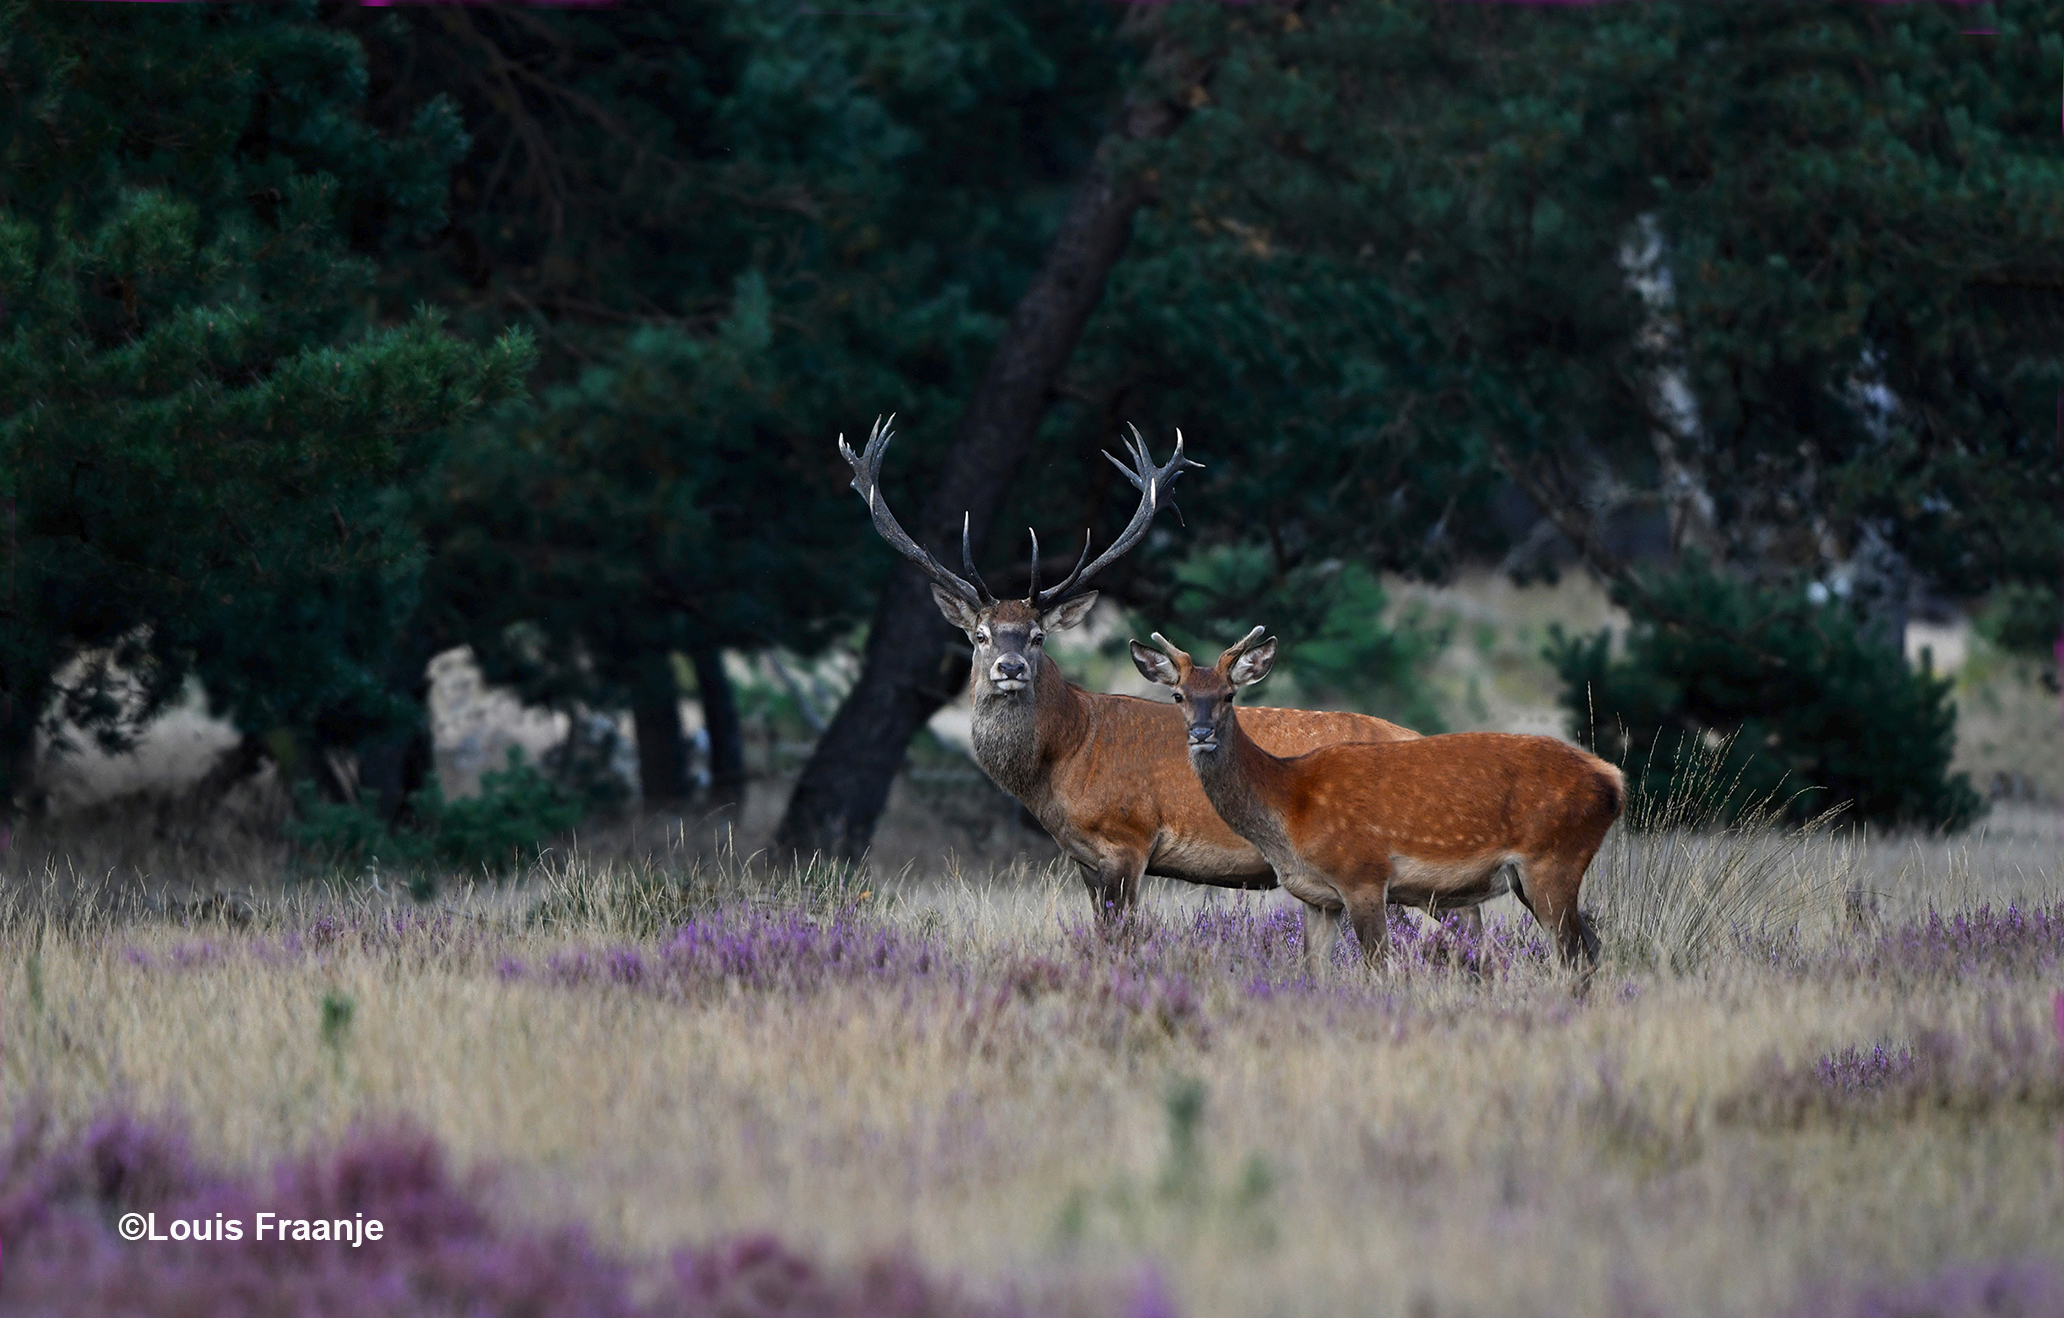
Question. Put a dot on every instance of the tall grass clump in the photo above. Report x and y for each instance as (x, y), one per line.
(644, 897)
(1692, 867)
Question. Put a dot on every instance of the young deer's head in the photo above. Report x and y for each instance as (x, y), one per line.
(1206, 694)
(1009, 635)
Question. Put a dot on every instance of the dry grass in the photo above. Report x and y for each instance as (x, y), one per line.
(1424, 1143)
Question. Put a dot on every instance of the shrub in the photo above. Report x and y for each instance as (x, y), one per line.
(517, 810)
(1340, 647)
(1807, 705)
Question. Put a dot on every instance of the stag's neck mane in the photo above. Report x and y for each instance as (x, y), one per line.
(1017, 735)
(1238, 778)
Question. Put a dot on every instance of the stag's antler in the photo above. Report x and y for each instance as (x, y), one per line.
(1243, 645)
(1152, 482)
(867, 480)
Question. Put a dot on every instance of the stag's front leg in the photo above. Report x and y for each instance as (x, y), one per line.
(1113, 884)
(1321, 933)
(1370, 915)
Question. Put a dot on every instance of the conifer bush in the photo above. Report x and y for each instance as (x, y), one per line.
(210, 436)
(1804, 706)
(517, 810)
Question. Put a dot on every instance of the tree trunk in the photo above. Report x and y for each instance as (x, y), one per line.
(1674, 428)
(656, 715)
(720, 721)
(23, 795)
(1880, 585)
(903, 676)
(394, 767)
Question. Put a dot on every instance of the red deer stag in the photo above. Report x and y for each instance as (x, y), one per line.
(1435, 822)
(1104, 774)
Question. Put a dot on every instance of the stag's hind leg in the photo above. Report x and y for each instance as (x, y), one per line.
(1548, 886)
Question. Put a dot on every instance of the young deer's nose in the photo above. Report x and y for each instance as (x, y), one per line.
(1202, 734)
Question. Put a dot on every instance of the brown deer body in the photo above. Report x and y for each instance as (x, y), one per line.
(1439, 822)
(1106, 775)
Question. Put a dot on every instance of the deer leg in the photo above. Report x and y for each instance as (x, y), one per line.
(1113, 884)
(1549, 889)
(1321, 932)
(1371, 918)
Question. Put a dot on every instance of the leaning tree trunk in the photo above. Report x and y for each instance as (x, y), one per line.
(720, 720)
(656, 717)
(908, 670)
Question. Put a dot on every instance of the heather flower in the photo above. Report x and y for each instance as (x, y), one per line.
(1996, 1290)
(1852, 1071)
(441, 1251)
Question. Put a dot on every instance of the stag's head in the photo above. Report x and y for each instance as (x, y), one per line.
(1009, 636)
(1206, 694)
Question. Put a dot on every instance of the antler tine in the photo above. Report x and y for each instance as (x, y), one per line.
(967, 561)
(1032, 591)
(1246, 642)
(1152, 482)
(867, 481)
(1171, 649)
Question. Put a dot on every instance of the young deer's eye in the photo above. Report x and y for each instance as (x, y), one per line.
(1178, 697)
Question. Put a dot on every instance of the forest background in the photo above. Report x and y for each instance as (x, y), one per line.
(333, 338)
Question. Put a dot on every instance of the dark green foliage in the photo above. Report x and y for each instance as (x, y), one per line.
(205, 444)
(2024, 618)
(654, 504)
(1391, 235)
(1345, 652)
(1387, 242)
(1813, 712)
(517, 811)
(739, 230)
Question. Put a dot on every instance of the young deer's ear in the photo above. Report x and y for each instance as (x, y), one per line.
(1063, 616)
(1154, 665)
(957, 610)
(1254, 665)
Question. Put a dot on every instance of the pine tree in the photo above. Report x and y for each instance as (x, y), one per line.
(863, 198)
(1391, 270)
(207, 446)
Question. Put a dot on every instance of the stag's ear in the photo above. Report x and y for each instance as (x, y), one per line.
(1063, 616)
(957, 610)
(1154, 665)
(1252, 666)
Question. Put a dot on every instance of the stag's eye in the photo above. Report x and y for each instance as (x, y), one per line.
(1038, 637)
(982, 637)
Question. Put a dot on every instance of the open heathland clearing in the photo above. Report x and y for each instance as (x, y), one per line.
(1815, 1073)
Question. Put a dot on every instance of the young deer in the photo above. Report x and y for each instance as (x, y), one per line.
(1106, 775)
(1437, 822)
